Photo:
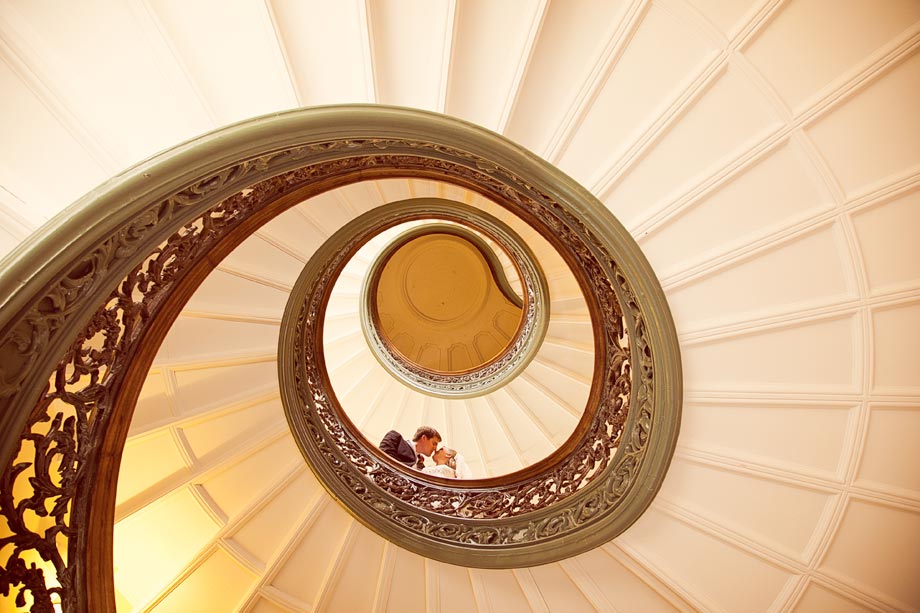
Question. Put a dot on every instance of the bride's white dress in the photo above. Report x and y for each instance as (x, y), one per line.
(443, 470)
(463, 469)
(440, 470)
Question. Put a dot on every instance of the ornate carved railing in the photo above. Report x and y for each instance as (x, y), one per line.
(85, 306)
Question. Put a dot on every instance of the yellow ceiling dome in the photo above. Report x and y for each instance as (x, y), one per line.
(442, 301)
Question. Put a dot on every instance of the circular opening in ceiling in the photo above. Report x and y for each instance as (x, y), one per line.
(453, 301)
(443, 278)
(440, 297)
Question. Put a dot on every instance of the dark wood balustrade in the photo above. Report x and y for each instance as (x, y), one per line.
(86, 304)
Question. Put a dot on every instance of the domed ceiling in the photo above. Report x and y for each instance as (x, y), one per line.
(764, 154)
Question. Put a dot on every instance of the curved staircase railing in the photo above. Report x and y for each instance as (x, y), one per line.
(85, 305)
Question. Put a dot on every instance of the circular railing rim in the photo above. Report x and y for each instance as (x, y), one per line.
(348, 240)
(76, 260)
(401, 506)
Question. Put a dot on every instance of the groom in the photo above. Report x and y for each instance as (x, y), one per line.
(425, 441)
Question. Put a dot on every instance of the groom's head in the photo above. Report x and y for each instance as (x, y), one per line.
(426, 440)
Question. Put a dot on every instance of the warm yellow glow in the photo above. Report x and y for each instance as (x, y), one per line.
(198, 593)
(138, 473)
(37, 524)
(440, 305)
(151, 548)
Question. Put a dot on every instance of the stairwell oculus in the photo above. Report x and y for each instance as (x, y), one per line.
(438, 309)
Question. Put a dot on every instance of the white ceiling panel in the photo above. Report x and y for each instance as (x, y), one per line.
(870, 536)
(738, 213)
(727, 16)
(785, 517)
(745, 581)
(164, 552)
(153, 405)
(327, 49)
(890, 455)
(262, 467)
(201, 339)
(405, 573)
(872, 138)
(219, 291)
(826, 359)
(237, 76)
(758, 433)
(571, 43)
(261, 259)
(266, 530)
(807, 271)
(137, 473)
(819, 598)
(896, 329)
(219, 568)
(888, 243)
(646, 80)
(412, 44)
(37, 182)
(491, 46)
(349, 588)
(802, 51)
(236, 382)
(303, 574)
(114, 71)
(690, 152)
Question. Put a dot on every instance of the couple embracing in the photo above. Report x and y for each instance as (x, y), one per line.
(447, 463)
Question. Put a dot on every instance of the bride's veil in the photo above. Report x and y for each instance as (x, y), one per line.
(463, 469)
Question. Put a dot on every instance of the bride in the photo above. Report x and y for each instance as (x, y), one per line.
(448, 464)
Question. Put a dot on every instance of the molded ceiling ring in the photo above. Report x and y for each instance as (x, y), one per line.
(536, 303)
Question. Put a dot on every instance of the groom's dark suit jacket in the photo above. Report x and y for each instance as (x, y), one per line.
(394, 445)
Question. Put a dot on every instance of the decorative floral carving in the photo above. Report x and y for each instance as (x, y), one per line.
(51, 475)
(412, 496)
(56, 466)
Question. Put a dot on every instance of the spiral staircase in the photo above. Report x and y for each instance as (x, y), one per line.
(764, 154)
(280, 526)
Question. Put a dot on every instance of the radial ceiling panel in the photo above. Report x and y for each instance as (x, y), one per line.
(328, 58)
(411, 45)
(690, 150)
(124, 124)
(29, 196)
(492, 45)
(764, 153)
(628, 102)
(748, 210)
(825, 50)
(768, 282)
(234, 81)
(749, 430)
(202, 338)
(891, 256)
(575, 43)
(862, 137)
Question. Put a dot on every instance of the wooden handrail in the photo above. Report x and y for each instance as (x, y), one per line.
(84, 305)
